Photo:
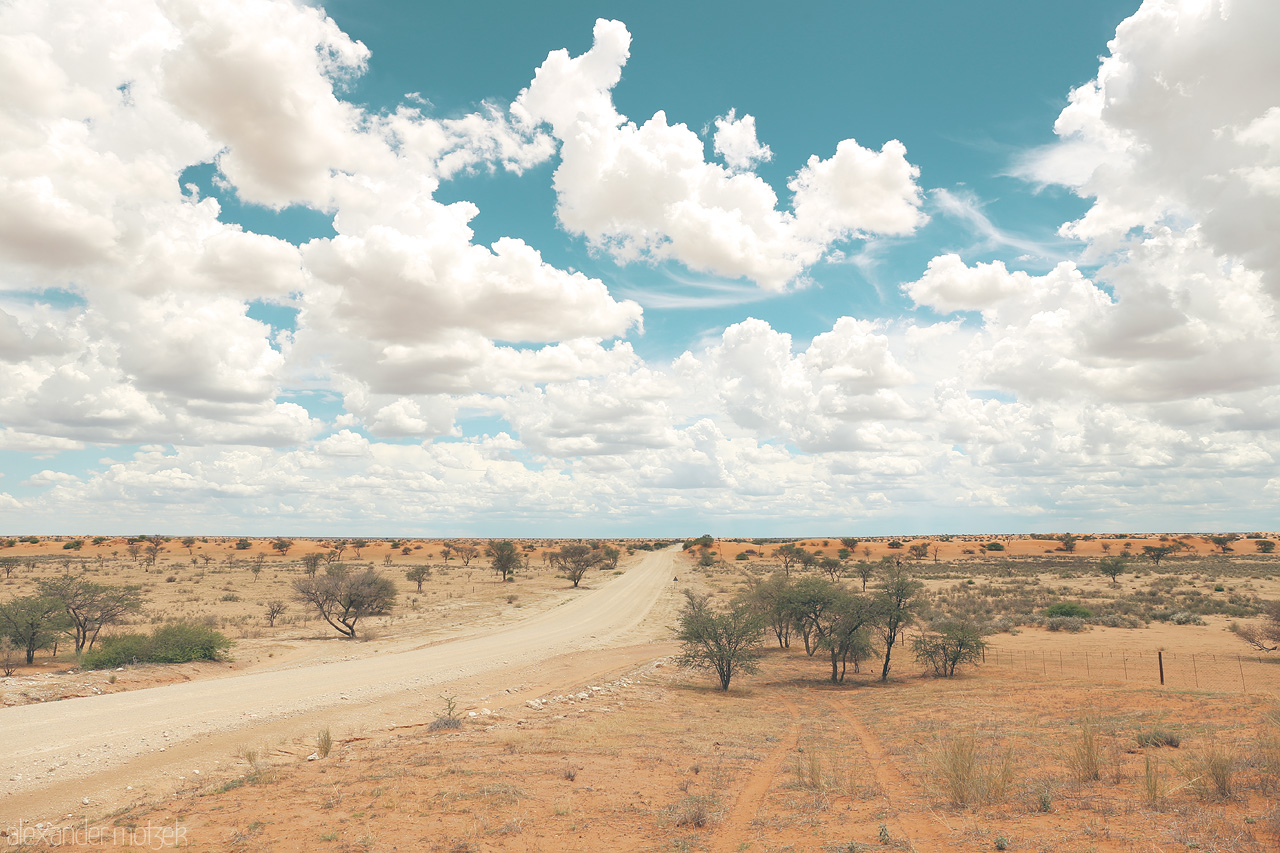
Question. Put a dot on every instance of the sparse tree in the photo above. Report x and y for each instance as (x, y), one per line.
(610, 556)
(815, 604)
(446, 551)
(865, 571)
(1068, 542)
(417, 575)
(948, 645)
(772, 600)
(8, 564)
(851, 543)
(275, 609)
(899, 600)
(152, 551)
(788, 555)
(358, 545)
(134, 550)
(574, 560)
(466, 553)
(311, 562)
(343, 598)
(1158, 552)
(339, 548)
(90, 606)
(1112, 567)
(283, 546)
(919, 550)
(189, 542)
(504, 558)
(848, 636)
(726, 641)
(1223, 541)
(1264, 546)
(832, 568)
(32, 622)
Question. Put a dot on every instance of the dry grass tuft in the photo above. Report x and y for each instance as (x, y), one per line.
(1084, 756)
(971, 777)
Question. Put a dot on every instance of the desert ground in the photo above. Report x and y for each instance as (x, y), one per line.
(579, 730)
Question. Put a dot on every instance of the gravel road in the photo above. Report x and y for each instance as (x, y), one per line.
(110, 748)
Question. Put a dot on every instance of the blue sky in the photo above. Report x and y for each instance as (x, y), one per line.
(639, 269)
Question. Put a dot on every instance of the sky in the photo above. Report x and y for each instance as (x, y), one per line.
(638, 269)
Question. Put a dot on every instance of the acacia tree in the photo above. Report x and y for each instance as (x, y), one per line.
(283, 546)
(418, 574)
(90, 606)
(899, 601)
(772, 600)
(865, 571)
(726, 641)
(848, 635)
(1112, 567)
(788, 554)
(574, 560)
(948, 645)
(466, 553)
(610, 556)
(504, 558)
(275, 609)
(1158, 552)
(815, 604)
(311, 562)
(343, 598)
(32, 622)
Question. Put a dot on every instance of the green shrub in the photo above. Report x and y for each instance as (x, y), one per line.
(177, 642)
(116, 651)
(994, 546)
(1068, 608)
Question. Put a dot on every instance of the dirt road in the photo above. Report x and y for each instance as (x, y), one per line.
(110, 749)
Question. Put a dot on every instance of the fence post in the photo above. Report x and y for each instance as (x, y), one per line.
(1160, 659)
(1125, 661)
(1240, 663)
(1194, 672)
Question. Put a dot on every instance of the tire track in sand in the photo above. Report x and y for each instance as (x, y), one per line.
(733, 831)
(919, 829)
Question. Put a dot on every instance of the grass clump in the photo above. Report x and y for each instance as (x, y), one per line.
(1085, 754)
(697, 810)
(324, 743)
(968, 776)
(1211, 771)
(1158, 737)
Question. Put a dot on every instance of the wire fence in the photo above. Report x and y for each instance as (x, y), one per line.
(1221, 672)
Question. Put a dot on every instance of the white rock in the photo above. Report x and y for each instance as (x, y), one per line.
(85, 800)
(315, 756)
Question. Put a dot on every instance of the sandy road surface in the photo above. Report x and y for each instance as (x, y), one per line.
(52, 755)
